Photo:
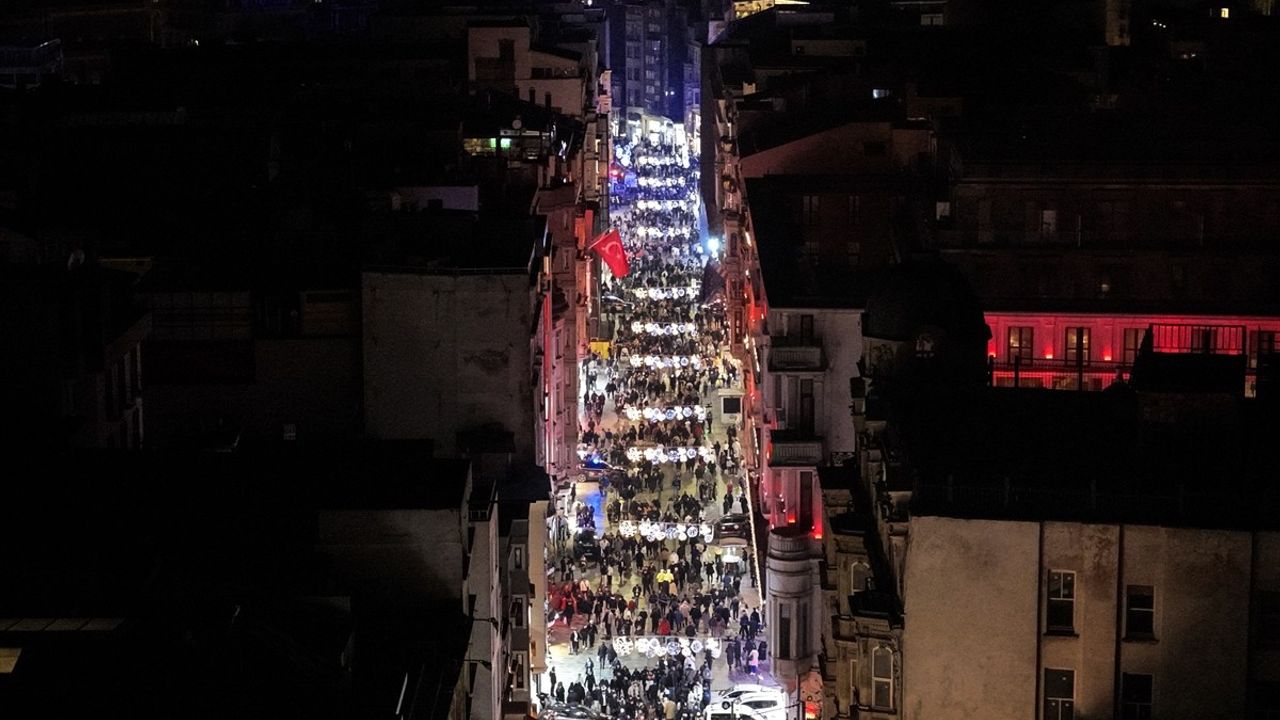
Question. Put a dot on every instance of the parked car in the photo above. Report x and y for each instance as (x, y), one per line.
(586, 545)
(563, 711)
(733, 528)
(762, 703)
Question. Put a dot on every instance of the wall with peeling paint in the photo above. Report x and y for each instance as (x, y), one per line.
(445, 353)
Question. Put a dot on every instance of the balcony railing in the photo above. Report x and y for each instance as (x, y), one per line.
(796, 358)
(1058, 374)
(802, 452)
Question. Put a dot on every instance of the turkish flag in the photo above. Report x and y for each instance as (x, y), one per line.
(609, 247)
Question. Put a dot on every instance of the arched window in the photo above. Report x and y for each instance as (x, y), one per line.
(882, 677)
(859, 573)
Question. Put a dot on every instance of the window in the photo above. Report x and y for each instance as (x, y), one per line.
(1139, 611)
(1268, 603)
(1204, 340)
(784, 631)
(811, 208)
(859, 573)
(761, 704)
(1264, 346)
(1048, 223)
(802, 613)
(109, 391)
(1135, 697)
(507, 50)
(882, 677)
(1060, 608)
(518, 614)
(517, 557)
(1132, 342)
(806, 327)
(1059, 694)
(1077, 345)
(519, 670)
(1021, 344)
(804, 419)
(879, 93)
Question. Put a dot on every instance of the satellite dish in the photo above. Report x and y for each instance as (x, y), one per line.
(517, 123)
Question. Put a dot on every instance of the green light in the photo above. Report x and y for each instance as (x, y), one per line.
(506, 143)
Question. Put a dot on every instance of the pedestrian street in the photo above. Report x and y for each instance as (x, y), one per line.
(653, 601)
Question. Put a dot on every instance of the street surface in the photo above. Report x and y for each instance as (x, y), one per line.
(658, 580)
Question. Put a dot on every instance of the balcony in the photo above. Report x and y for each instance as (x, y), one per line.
(797, 357)
(1057, 374)
(795, 448)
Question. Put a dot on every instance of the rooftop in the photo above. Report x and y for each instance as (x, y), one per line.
(791, 279)
(452, 241)
(1190, 459)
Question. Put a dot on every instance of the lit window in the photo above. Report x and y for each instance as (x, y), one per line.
(1135, 696)
(1140, 611)
(880, 93)
(1077, 345)
(882, 678)
(1132, 341)
(504, 143)
(1061, 604)
(1021, 344)
(1224, 13)
(1059, 694)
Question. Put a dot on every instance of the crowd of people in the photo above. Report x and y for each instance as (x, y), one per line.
(651, 392)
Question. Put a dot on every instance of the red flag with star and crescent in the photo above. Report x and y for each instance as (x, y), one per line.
(609, 247)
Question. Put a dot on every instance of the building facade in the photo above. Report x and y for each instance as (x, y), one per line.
(1085, 620)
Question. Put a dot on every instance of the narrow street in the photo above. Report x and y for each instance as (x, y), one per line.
(654, 608)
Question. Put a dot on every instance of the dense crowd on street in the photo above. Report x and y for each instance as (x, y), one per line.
(661, 463)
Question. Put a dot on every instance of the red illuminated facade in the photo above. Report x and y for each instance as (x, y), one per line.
(1069, 351)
